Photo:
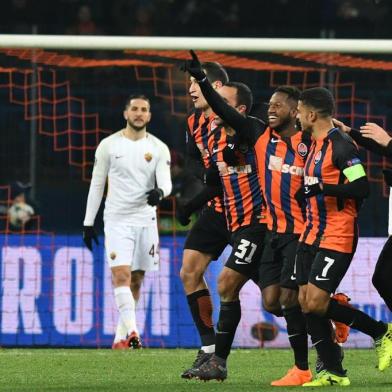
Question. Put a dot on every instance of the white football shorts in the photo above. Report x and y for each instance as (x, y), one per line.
(135, 246)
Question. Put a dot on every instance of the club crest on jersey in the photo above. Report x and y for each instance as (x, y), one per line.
(148, 156)
(317, 157)
(113, 255)
(302, 149)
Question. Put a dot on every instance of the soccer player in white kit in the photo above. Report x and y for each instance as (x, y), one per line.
(137, 165)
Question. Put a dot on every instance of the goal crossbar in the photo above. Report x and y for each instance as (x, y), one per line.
(78, 42)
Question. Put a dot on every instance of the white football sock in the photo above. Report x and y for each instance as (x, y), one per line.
(126, 307)
(121, 331)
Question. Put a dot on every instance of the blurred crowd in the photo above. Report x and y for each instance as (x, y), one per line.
(253, 18)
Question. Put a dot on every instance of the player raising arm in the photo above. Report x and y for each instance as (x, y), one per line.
(280, 155)
(137, 166)
(245, 215)
(209, 236)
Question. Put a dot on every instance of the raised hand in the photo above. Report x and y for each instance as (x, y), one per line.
(375, 132)
(193, 67)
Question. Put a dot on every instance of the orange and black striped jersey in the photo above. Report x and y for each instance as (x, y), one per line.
(199, 129)
(280, 163)
(331, 222)
(243, 198)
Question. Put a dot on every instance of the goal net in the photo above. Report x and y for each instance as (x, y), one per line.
(55, 107)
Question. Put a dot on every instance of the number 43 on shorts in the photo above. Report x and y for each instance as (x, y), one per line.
(154, 250)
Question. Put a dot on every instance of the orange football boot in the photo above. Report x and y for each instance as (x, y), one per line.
(121, 345)
(294, 377)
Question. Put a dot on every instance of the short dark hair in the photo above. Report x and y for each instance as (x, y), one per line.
(320, 99)
(244, 94)
(215, 72)
(137, 96)
(291, 91)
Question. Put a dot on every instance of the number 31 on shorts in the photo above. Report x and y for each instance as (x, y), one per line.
(242, 249)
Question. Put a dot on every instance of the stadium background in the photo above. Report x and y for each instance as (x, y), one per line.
(55, 106)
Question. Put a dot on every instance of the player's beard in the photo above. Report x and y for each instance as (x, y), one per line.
(283, 124)
(307, 129)
(135, 127)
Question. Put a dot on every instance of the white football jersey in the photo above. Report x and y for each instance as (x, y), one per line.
(132, 167)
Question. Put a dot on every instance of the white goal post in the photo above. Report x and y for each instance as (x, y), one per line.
(183, 43)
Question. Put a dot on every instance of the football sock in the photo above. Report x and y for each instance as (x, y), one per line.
(319, 328)
(298, 336)
(229, 318)
(356, 319)
(200, 306)
(121, 331)
(126, 307)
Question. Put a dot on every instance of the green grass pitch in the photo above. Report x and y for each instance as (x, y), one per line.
(159, 370)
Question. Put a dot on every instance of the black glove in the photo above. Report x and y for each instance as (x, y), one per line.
(193, 67)
(388, 176)
(312, 190)
(154, 196)
(183, 213)
(229, 155)
(212, 177)
(299, 196)
(89, 234)
(307, 191)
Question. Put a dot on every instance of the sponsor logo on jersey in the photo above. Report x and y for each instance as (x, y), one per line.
(148, 156)
(277, 164)
(302, 149)
(239, 169)
(309, 180)
(317, 157)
